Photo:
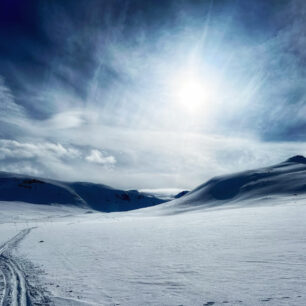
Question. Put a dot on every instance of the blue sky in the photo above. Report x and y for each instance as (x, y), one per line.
(150, 94)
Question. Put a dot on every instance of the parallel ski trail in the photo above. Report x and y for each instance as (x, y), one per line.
(13, 285)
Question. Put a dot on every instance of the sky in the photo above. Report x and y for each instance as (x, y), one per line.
(150, 94)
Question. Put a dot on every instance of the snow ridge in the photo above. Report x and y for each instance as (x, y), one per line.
(286, 179)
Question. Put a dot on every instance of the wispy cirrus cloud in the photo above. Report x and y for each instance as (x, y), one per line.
(106, 86)
(10, 110)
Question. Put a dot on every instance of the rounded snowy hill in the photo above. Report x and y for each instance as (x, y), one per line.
(23, 188)
(284, 179)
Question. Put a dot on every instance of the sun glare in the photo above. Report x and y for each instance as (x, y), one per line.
(192, 92)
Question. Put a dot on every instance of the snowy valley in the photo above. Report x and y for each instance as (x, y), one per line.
(235, 240)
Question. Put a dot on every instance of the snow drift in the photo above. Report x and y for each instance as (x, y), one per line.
(15, 187)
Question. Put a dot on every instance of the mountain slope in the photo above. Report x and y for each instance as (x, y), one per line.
(15, 187)
(284, 179)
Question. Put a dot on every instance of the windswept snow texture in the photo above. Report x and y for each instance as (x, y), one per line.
(14, 187)
(284, 179)
(244, 256)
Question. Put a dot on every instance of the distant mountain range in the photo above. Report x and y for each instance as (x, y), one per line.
(287, 178)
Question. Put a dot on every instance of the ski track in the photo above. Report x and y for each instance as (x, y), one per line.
(14, 289)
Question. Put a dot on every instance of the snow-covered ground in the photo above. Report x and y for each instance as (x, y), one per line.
(236, 256)
(236, 240)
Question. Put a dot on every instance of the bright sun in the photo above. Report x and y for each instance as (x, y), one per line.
(192, 92)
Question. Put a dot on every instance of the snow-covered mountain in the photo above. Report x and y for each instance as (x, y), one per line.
(15, 187)
(284, 179)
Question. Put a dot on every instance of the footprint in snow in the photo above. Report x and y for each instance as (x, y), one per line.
(266, 300)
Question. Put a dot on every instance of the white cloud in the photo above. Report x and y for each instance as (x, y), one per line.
(65, 120)
(21, 168)
(24, 150)
(98, 157)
